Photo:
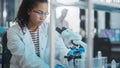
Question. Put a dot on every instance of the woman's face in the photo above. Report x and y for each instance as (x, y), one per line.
(38, 14)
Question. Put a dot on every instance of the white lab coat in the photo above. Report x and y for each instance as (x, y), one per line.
(23, 50)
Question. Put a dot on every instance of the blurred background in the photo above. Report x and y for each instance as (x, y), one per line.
(105, 19)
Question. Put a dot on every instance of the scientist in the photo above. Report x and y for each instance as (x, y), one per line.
(28, 40)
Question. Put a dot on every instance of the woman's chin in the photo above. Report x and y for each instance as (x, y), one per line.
(39, 23)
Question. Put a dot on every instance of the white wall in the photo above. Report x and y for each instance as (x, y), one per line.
(101, 20)
(72, 17)
(73, 14)
(115, 20)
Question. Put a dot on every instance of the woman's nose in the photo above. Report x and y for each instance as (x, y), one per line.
(43, 17)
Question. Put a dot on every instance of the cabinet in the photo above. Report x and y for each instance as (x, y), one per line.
(103, 45)
(115, 51)
(111, 50)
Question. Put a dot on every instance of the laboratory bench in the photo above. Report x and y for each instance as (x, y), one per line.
(110, 50)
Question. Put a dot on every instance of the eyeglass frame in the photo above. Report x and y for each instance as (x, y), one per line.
(40, 13)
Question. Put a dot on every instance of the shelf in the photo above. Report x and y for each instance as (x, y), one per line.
(115, 5)
(115, 48)
(76, 4)
(97, 5)
(110, 7)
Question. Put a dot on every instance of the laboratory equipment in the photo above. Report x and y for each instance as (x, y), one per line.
(78, 50)
(99, 61)
(113, 64)
(71, 37)
(59, 66)
(99, 56)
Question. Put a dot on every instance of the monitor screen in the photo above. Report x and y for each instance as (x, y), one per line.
(112, 34)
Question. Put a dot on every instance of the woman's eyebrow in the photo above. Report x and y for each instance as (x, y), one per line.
(40, 10)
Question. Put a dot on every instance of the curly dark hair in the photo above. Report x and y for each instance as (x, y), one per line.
(22, 15)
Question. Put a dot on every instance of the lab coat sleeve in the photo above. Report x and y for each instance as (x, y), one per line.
(17, 48)
(61, 51)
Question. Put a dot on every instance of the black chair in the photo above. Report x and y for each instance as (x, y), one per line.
(6, 55)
